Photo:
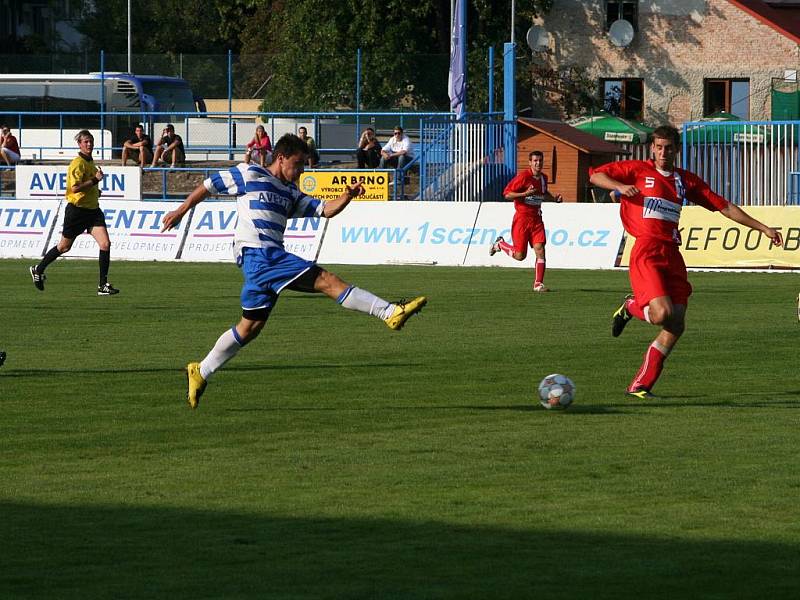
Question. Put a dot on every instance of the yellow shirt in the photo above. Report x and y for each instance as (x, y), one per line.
(81, 170)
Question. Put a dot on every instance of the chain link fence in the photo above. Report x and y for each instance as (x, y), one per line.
(375, 80)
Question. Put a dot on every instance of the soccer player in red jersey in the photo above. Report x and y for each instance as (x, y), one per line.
(528, 190)
(652, 194)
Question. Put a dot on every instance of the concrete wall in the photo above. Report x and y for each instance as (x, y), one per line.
(679, 43)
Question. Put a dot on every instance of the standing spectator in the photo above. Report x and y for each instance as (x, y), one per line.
(9, 147)
(170, 148)
(528, 190)
(397, 152)
(82, 214)
(138, 146)
(313, 155)
(266, 200)
(369, 150)
(652, 194)
(259, 148)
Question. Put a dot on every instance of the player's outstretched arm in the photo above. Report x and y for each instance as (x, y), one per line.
(172, 218)
(602, 180)
(334, 207)
(734, 213)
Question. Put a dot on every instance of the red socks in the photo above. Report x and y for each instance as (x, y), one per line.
(539, 271)
(506, 247)
(634, 309)
(651, 368)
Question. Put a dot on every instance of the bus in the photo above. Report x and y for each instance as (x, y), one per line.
(47, 133)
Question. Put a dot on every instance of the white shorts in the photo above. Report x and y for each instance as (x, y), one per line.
(12, 156)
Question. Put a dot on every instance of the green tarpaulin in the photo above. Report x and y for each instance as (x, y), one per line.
(612, 129)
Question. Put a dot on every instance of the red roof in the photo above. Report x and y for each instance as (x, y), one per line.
(781, 21)
(576, 138)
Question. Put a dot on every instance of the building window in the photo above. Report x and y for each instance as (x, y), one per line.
(624, 98)
(622, 9)
(728, 95)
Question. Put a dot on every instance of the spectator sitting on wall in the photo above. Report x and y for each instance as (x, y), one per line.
(170, 148)
(369, 150)
(139, 147)
(259, 148)
(313, 155)
(9, 147)
(397, 152)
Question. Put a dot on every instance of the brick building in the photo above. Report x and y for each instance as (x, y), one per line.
(685, 58)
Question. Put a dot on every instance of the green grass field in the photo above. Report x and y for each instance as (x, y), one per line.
(334, 458)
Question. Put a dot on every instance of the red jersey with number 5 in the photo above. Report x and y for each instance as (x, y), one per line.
(529, 205)
(655, 211)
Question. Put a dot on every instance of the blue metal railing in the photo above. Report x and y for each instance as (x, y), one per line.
(751, 163)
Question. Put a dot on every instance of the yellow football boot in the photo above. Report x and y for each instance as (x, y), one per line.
(404, 310)
(197, 384)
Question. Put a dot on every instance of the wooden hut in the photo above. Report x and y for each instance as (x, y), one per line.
(568, 155)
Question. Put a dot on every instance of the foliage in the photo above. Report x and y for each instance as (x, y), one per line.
(301, 56)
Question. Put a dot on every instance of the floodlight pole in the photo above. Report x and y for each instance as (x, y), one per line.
(129, 37)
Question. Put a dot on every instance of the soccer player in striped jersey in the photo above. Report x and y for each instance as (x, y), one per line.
(266, 199)
(652, 194)
(528, 189)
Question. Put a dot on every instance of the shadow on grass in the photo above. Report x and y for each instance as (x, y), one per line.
(594, 410)
(134, 552)
(173, 369)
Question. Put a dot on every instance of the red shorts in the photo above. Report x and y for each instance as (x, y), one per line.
(526, 230)
(657, 269)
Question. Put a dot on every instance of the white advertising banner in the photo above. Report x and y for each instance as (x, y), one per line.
(579, 236)
(135, 232)
(212, 226)
(25, 227)
(50, 181)
(403, 232)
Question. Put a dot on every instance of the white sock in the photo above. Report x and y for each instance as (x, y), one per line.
(225, 349)
(354, 298)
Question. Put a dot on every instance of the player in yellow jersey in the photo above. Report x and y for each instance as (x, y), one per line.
(82, 214)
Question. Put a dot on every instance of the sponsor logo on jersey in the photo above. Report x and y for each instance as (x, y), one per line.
(660, 208)
(533, 200)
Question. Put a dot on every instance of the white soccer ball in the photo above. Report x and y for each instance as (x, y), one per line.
(556, 391)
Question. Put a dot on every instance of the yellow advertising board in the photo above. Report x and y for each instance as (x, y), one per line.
(329, 185)
(711, 240)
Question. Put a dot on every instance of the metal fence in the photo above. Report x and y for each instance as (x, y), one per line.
(466, 161)
(206, 136)
(751, 163)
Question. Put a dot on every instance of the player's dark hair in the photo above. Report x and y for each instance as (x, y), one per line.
(289, 145)
(82, 134)
(666, 132)
(533, 153)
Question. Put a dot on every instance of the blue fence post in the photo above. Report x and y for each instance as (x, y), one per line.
(509, 105)
(230, 104)
(358, 93)
(102, 102)
(491, 79)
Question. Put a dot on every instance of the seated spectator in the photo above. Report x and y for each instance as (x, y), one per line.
(369, 150)
(139, 147)
(170, 148)
(9, 147)
(259, 148)
(397, 152)
(313, 155)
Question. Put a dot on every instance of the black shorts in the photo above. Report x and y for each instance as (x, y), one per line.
(77, 220)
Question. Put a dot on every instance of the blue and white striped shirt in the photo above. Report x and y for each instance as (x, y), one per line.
(264, 204)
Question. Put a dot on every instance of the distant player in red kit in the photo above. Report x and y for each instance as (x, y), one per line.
(528, 190)
(652, 194)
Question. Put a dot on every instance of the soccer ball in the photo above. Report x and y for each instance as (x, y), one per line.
(556, 391)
